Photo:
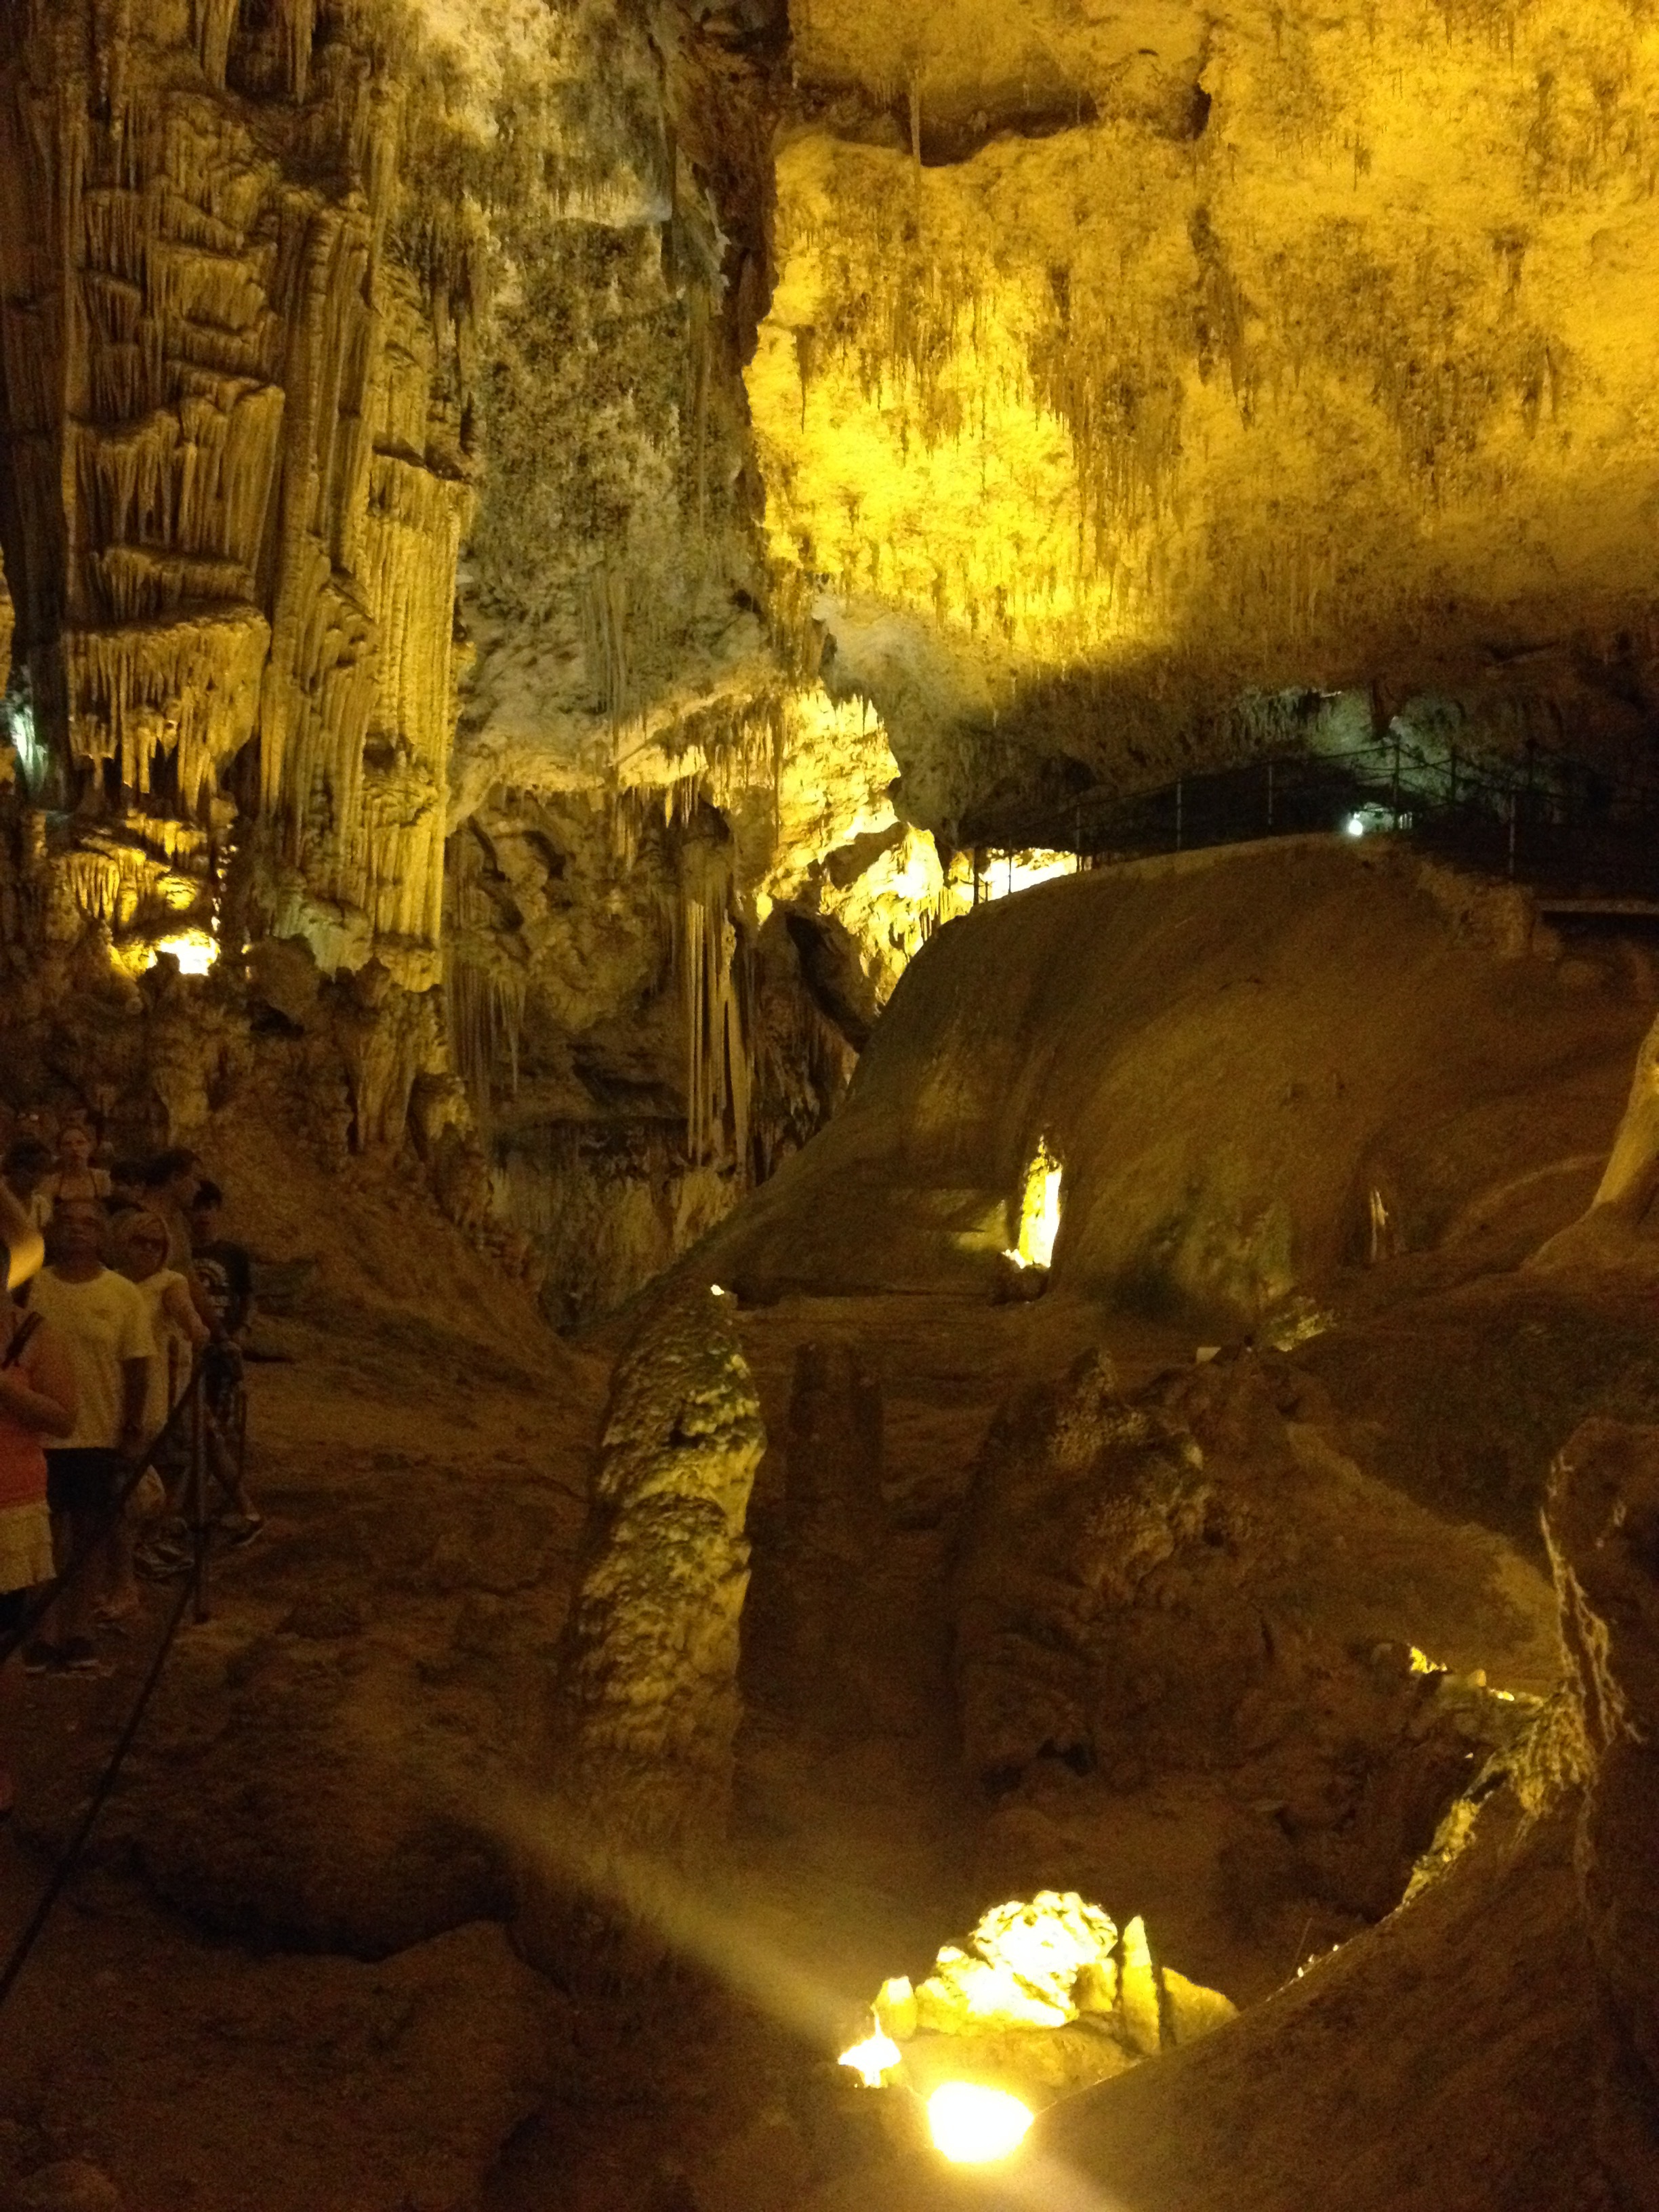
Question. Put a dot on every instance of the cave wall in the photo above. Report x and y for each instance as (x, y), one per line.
(236, 417)
(572, 522)
(382, 519)
(1126, 363)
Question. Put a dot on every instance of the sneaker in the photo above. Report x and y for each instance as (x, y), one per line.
(242, 1532)
(160, 1562)
(80, 1656)
(41, 1658)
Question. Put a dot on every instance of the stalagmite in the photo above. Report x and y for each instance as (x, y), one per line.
(647, 1701)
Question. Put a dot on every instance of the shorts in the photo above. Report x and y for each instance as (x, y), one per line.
(83, 1481)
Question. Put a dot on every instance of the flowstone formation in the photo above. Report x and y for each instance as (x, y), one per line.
(1608, 1234)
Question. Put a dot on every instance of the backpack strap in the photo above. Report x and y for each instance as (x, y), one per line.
(29, 1328)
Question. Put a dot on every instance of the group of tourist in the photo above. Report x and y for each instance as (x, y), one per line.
(95, 1357)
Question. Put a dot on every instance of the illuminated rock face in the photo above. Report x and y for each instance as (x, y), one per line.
(1601, 1519)
(1047, 1998)
(1122, 361)
(562, 509)
(242, 462)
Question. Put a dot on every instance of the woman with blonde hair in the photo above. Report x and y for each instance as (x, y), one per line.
(138, 1242)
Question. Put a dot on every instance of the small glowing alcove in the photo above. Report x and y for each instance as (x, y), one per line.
(1039, 1210)
(1046, 1998)
(193, 949)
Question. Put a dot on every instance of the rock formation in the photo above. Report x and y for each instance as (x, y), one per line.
(283, 284)
(647, 1701)
(1605, 1236)
(1047, 1997)
(1126, 370)
(1156, 1584)
(1602, 1522)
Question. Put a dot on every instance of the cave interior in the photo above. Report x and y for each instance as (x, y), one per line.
(882, 780)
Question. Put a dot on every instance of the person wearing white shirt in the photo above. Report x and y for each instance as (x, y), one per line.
(101, 1321)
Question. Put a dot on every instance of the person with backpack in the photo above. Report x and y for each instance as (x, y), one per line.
(101, 1320)
(37, 1401)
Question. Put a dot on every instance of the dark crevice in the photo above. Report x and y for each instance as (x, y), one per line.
(833, 976)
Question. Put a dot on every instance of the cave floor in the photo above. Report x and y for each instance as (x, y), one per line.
(376, 2040)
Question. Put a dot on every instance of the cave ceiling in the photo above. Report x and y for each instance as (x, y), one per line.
(1124, 362)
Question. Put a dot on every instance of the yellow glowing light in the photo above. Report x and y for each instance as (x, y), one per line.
(193, 949)
(876, 2055)
(972, 2126)
(1475, 1679)
(1039, 1211)
(1007, 872)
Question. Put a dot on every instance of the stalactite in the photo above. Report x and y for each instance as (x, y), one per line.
(484, 1021)
(189, 688)
(719, 1072)
(606, 640)
(214, 19)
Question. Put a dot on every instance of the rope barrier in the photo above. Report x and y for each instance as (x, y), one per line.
(69, 1858)
(192, 1407)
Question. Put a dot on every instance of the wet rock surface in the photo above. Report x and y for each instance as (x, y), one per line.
(1185, 1580)
(1602, 1522)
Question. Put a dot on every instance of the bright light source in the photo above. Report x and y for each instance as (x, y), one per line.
(1005, 872)
(1039, 1210)
(876, 2055)
(1356, 825)
(193, 949)
(972, 2126)
(715, 1292)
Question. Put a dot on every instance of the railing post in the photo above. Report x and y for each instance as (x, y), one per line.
(199, 1530)
(1270, 794)
(1512, 800)
(1179, 789)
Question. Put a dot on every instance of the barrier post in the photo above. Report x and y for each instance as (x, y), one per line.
(198, 1503)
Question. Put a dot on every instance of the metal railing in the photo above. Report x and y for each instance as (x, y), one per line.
(1554, 822)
